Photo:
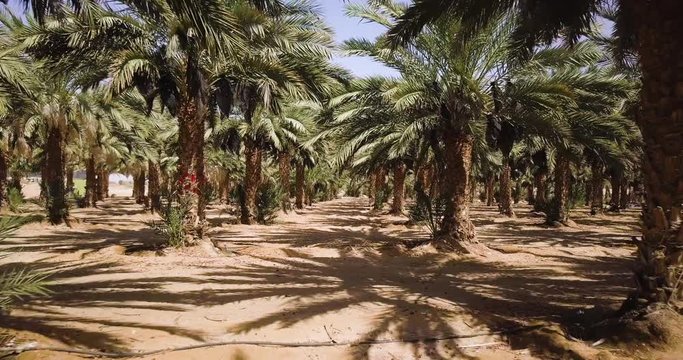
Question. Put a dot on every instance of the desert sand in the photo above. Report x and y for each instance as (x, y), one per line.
(333, 273)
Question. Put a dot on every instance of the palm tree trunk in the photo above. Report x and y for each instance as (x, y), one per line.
(615, 200)
(597, 175)
(43, 178)
(559, 206)
(91, 182)
(154, 187)
(102, 184)
(506, 190)
(285, 168)
(57, 209)
(69, 178)
(252, 181)
(226, 188)
(105, 182)
(3, 176)
(660, 118)
(456, 227)
(191, 165)
(541, 189)
(624, 197)
(371, 186)
(397, 205)
(140, 179)
(490, 186)
(300, 185)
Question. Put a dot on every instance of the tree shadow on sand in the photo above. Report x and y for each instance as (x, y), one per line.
(409, 296)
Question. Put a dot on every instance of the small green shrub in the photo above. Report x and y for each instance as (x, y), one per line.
(427, 212)
(268, 202)
(15, 199)
(78, 198)
(174, 230)
(172, 222)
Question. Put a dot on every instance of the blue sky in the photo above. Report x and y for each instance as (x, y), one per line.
(347, 28)
(344, 28)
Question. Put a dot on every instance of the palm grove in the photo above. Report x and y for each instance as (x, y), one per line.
(237, 101)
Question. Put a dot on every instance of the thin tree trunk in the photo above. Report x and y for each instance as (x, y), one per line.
(506, 190)
(588, 184)
(541, 189)
(457, 226)
(285, 168)
(530, 193)
(139, 187)
(615, 200)
(597, 175)
(399, 185)
(57, 209)
(660, 118)
(371, 186)
(252, 181)
(91, 182)
(559, 206)
(105, 182)
(300, 185)
(154, 187)
(225, 188)
(624, 196)
(102, 182)
(379, 187)
(43, 178)
(70, 179)
(3, 176)
(490, 189)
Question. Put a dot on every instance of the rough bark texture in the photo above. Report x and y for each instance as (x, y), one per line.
(596, 188)
(490, 190)
(457, 228)
(397, 205)
(105, 182)
(191, 179)
(558, 210)
(506, 190)
(3, 176)
(660, 118)
(285, 167)
(102, 184)
(139, 187)
(54, 175)
(371, 186)
(300, 185)
(252, 181)
(615, 198)
(90, 182)
(541, 189)
(154, 187)
(379, 181)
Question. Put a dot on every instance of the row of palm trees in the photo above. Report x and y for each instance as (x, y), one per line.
(485, 90)
(646, 36)
(238, 66)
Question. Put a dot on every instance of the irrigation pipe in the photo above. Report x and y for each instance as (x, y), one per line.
(121, 355)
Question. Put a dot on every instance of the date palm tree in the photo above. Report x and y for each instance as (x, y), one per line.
(445, 76)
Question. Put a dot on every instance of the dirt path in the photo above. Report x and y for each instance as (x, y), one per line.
(330, 272)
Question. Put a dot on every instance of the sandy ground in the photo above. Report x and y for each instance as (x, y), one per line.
(330, 273)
